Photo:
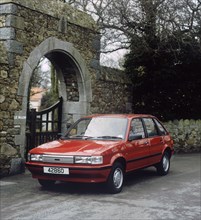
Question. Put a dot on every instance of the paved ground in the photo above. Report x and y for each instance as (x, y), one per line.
(145, 196)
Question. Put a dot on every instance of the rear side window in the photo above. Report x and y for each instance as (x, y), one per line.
(150, 127)
(161, 129)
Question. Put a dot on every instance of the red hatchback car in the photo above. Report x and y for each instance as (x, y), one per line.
(102, 148)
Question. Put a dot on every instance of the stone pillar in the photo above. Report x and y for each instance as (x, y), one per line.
(10, 48)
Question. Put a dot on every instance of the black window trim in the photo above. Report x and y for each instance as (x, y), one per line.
(147, 135)
(155, 124)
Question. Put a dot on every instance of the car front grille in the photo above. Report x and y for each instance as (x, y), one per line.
(58, 159)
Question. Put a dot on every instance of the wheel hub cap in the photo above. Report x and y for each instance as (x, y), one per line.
(118, 178)
(165, 163)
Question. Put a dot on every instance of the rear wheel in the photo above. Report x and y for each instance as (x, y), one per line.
(46, 183)
(164, 165)
(116, 178)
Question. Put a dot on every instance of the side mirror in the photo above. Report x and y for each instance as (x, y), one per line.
(133, 137)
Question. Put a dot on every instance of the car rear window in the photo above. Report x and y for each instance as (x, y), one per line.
(150, 127)
(161, 129)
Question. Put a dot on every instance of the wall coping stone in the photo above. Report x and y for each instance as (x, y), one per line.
(56, 9)
(114, 75)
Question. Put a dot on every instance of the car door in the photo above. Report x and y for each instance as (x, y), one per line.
(155, 140)
(137, 146)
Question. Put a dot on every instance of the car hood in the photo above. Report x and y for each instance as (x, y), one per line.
(75, 147)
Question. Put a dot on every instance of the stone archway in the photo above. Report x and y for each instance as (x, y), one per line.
(56, 51)
(29, 30)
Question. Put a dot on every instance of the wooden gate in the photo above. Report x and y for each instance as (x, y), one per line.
(43, 126)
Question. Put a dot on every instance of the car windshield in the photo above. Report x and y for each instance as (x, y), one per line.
(103, 128)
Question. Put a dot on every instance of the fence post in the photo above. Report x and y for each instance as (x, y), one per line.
(60, 115)
(32, 128)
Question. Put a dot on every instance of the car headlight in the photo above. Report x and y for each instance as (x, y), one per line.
(89, 160)
(35, 157)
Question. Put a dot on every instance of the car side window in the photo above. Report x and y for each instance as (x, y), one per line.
(137, 129)
(150, 127)
(161, 129)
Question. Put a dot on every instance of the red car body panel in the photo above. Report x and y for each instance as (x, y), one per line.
(135, 154)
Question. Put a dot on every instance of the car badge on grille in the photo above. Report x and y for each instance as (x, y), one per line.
(57, 159)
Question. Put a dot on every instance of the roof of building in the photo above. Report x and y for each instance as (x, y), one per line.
(37, 93)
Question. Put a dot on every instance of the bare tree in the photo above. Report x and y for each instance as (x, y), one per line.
(122, 22)
(41, 75)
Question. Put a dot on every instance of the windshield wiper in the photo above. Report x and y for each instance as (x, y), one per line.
(80, 137)
(107, 137)
(89, 137)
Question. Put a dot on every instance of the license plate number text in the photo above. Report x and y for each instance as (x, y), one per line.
(56, 170)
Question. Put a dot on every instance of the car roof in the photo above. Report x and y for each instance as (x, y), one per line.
(120, 116)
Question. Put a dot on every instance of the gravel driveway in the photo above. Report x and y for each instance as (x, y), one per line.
(145, 196)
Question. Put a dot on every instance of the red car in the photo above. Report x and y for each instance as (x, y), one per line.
(102, 148)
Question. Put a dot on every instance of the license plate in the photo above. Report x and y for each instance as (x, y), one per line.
(56, 170)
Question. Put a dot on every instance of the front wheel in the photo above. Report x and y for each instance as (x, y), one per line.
(46, 183)
(116, 178)
(164, 165)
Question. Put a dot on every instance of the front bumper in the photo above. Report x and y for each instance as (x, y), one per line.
(83, 174)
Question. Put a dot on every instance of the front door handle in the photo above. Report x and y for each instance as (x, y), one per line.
(161, 140)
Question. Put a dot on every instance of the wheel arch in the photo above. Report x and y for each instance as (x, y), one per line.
(168, 151)
(119, 159)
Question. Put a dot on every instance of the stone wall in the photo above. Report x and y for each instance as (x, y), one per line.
(186, 135)
(112, 92)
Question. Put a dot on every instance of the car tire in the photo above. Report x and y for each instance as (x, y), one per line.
(116, 178)
(164, 165)
(46, 183)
